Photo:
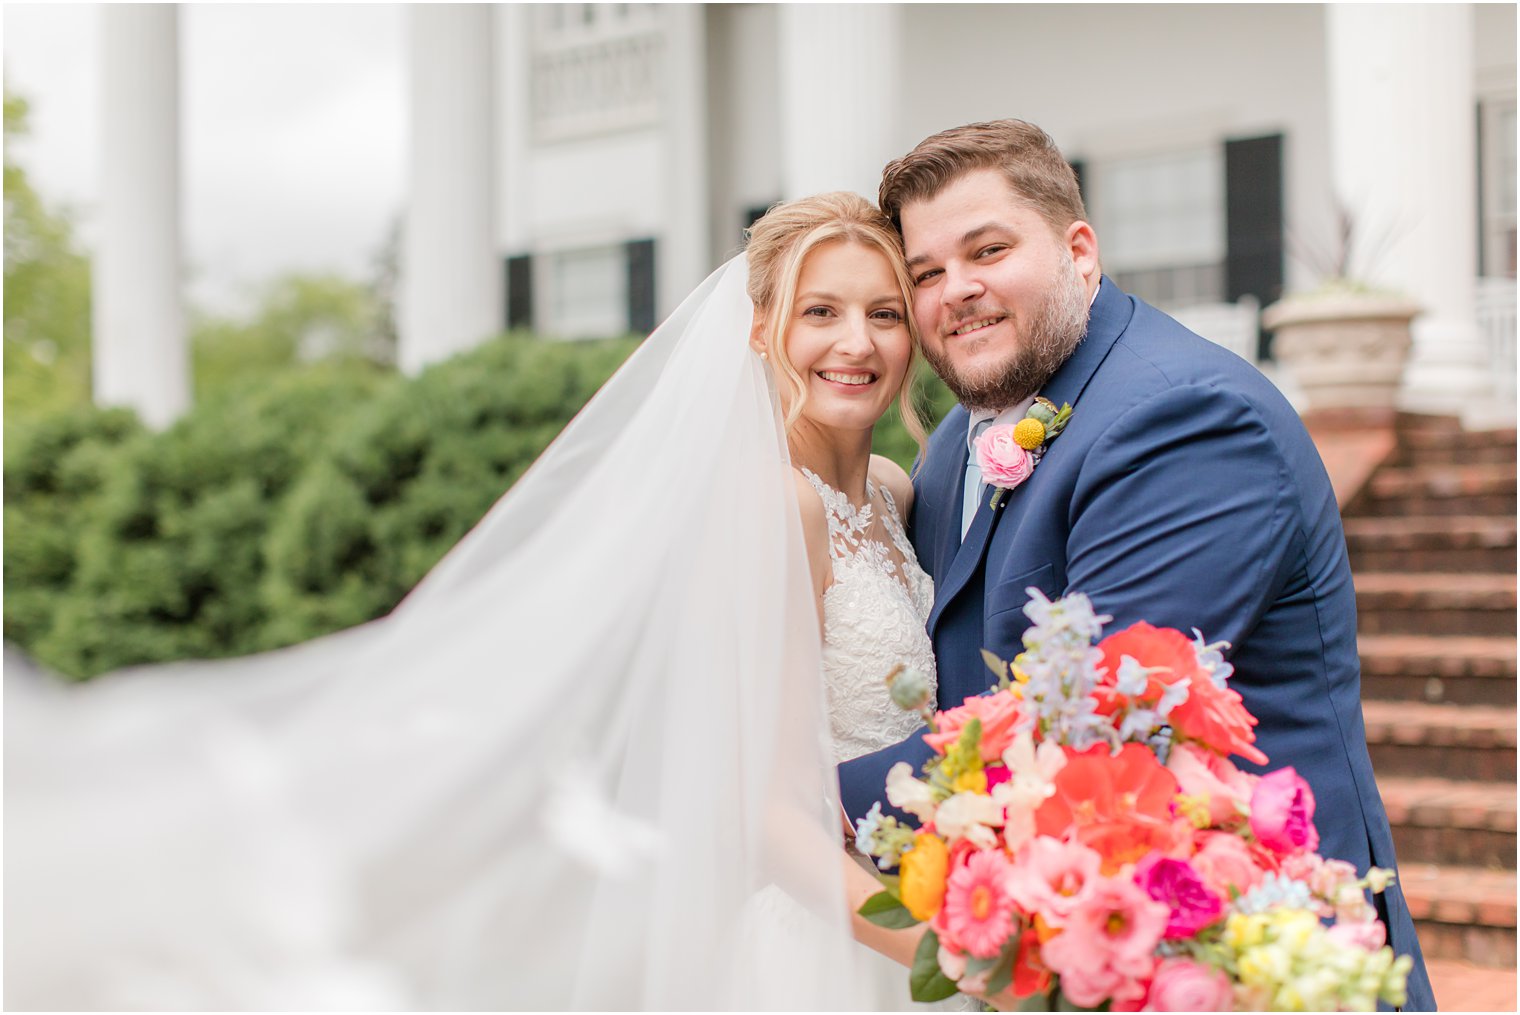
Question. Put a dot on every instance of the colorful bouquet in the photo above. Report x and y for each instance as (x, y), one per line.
(1084, 839)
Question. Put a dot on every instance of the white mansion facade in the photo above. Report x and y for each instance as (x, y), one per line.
(576, 168)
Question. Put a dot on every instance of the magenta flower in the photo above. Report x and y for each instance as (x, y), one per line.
(978, 909)
(1177, 885)
(1282, 812)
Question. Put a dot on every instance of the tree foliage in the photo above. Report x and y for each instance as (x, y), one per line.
(47, 292)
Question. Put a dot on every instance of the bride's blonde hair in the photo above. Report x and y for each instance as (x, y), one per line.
(778, 244)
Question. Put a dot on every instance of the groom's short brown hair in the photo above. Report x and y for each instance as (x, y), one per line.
(1028, 158)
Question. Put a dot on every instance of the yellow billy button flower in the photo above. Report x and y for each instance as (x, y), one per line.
(1029, 433)
(924, 871)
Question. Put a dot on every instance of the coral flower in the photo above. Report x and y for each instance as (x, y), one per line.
(1106, 948)
(1216, 716)
(1162, 649)
(1120, 805)
(1030, 976)
(923, 870)
(998, 713)
(1212, 715)
(978, 908)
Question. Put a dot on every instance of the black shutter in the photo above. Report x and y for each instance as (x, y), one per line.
(641, 286)
(1253, 181)
(1080, 168)
(520, 291)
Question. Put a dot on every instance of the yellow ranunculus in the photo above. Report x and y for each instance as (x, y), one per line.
(924, 870)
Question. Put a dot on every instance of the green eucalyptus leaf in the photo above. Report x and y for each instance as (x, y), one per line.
(927, 981)
(998, 667)
(885, 910)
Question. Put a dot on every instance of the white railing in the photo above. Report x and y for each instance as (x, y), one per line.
(596, 86)
(1232, 325)
(1496, 321)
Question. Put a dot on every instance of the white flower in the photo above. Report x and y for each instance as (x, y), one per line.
(909, 793)
(969, 816)
(1132, 678)
(1031, 771)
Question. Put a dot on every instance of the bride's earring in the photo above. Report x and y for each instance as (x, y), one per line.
(763, 356)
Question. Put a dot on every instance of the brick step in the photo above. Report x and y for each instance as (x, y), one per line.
(1432, 543)
(1438, 670)
(1441, 490)
(1466, 986)
(1439, 447)
(1465, 913)
(1469, 824)
(1435, 604)
(1463, 742)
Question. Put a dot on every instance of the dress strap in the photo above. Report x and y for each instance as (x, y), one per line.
(847, 523)
(896, 524)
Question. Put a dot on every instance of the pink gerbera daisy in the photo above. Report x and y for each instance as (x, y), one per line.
(978, 909)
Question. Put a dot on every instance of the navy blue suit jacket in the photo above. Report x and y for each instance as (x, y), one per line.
(1186, 492)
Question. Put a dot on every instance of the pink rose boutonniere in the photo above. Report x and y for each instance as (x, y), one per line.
(1007, 454)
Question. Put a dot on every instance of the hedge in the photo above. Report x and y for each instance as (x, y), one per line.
(310, 503)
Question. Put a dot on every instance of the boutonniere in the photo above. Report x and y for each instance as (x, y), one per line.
(1007, 454)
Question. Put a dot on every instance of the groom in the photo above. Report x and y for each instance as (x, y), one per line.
(1184, 490)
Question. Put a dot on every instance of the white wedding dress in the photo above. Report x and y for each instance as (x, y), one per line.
(558, 776)
(874, 617)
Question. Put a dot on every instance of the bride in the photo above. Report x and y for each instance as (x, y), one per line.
(586, 764)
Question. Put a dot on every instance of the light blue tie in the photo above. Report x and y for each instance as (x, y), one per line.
(971, 495)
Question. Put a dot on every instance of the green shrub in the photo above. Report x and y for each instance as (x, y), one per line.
(413, 473)
(55, 467)
(169, 551)
(307, 501)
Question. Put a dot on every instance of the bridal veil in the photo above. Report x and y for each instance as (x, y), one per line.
(559, 775)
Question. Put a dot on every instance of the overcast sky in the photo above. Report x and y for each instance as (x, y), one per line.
(293, 125)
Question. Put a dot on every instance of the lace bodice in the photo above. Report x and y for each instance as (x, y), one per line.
(873, 619)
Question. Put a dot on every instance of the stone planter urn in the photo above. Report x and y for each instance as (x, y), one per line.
(1346, 350)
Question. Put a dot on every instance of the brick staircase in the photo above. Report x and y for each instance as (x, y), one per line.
(1432, 544)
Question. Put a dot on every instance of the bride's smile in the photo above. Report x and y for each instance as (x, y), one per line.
(848, 336)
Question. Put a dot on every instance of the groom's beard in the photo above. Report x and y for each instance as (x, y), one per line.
(1046, 337)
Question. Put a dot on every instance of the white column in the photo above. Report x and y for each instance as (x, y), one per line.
(140, 357)
(841, 70)
(683, 255)
(451, 288)
(1403, 143)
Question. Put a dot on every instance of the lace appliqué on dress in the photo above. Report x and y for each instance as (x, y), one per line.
(873, 618)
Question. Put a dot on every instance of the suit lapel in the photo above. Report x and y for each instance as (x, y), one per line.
(969, 554)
